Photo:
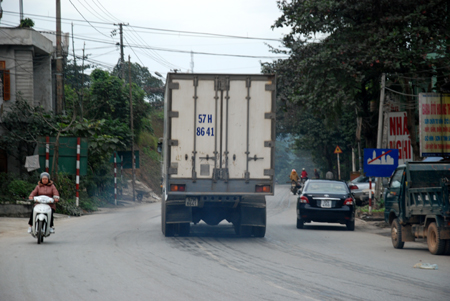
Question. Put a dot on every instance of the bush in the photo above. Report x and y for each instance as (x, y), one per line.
(68, 207)
(27, 22)
(5, 180)
(20, 188)
(66, 186)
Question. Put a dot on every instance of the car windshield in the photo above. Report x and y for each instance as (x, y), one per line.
(326, 187)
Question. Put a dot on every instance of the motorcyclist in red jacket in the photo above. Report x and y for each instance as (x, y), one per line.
(304, 174)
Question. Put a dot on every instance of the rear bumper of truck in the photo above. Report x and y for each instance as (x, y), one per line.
(245, 210)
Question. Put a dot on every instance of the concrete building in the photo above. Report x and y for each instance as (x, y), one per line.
(25, 72)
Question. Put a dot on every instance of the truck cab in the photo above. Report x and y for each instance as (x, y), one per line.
(417, 205)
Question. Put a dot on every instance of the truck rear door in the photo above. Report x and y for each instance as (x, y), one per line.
(222, 127)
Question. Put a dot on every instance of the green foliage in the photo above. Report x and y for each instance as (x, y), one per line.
(338, 50)
(66, 186)
(153, 87)
(5, 180)
(365, 209)
(26, 23)
(337, 53)
(73, 75)
(22, 124)
(154, 155)
(20, 188)
(159, 115)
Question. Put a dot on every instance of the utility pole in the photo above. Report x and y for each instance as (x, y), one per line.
(132, 132)
(21, 11)
(192, 62)
(82, 82)
(122, 59)
(380, 133)
(76, 74)
(59, 67)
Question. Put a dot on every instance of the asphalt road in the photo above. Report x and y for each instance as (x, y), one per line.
(120, 254)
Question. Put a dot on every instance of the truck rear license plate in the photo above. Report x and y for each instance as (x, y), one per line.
(191, 202)
(325, 204)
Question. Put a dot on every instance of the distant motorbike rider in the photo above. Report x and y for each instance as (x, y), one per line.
(304, 175)
(316, 174)
(45, 187)
(294, 176)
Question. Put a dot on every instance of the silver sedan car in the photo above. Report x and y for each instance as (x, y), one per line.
(360, 189)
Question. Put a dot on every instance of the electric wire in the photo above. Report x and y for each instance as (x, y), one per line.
(92, 11)
(87, 20)
(204, 34)
(134, 52)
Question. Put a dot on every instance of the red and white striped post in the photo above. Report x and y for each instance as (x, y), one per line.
(115, 179)
(47, 153)
(121, 169)
(77, 181)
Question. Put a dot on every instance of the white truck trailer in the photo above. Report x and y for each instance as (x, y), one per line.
(218, 151)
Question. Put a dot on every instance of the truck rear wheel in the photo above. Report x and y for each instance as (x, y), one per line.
(396, 234)
(167, 229)
(245, 231)
(436, 245)
(184, 229)
(259, 231)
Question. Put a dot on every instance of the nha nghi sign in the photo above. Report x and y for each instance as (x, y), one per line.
(399, 137)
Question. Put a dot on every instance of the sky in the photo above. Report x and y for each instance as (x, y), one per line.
(156, 31)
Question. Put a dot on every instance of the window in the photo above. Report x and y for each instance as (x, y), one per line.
(5, 82)
(396, 178)
(3, 161)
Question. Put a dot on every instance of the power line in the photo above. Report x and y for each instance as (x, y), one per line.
(87, 20)
(117, 20)
(92, 11)
(200, 34)
(207, 34)
(134, 52)
(181, 51)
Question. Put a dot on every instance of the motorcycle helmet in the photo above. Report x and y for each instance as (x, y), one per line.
(303, 169)
(293, 170)
(45, 174)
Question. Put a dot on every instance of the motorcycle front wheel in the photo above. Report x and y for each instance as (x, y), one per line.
(39, 233)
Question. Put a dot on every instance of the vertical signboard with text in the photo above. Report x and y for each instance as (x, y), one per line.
(434, 124)
(399, 137)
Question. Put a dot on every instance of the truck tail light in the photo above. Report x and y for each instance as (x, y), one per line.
(262, 188)
(353, 187)
(303, 199)
(176, 187)
(348, 201)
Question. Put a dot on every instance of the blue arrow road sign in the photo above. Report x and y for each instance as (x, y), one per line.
(379, 162)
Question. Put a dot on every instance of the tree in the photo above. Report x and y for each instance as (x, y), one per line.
(153, 87)
(22, 125)
(359, 41)
(109, 99)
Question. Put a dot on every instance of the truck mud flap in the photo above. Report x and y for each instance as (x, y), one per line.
(178, 214)
(253, 216)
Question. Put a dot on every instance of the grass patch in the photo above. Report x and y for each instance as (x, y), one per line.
(154, 155)
(365, 209)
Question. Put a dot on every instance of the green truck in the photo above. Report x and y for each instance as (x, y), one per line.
(417, 205)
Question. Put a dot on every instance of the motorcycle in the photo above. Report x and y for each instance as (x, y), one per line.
(295, 187)
(302, 182)
(41, 218)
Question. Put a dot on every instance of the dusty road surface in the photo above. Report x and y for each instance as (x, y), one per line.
(120, 254)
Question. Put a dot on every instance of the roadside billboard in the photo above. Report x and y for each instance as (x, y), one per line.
(398, 136)
(434, 124)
